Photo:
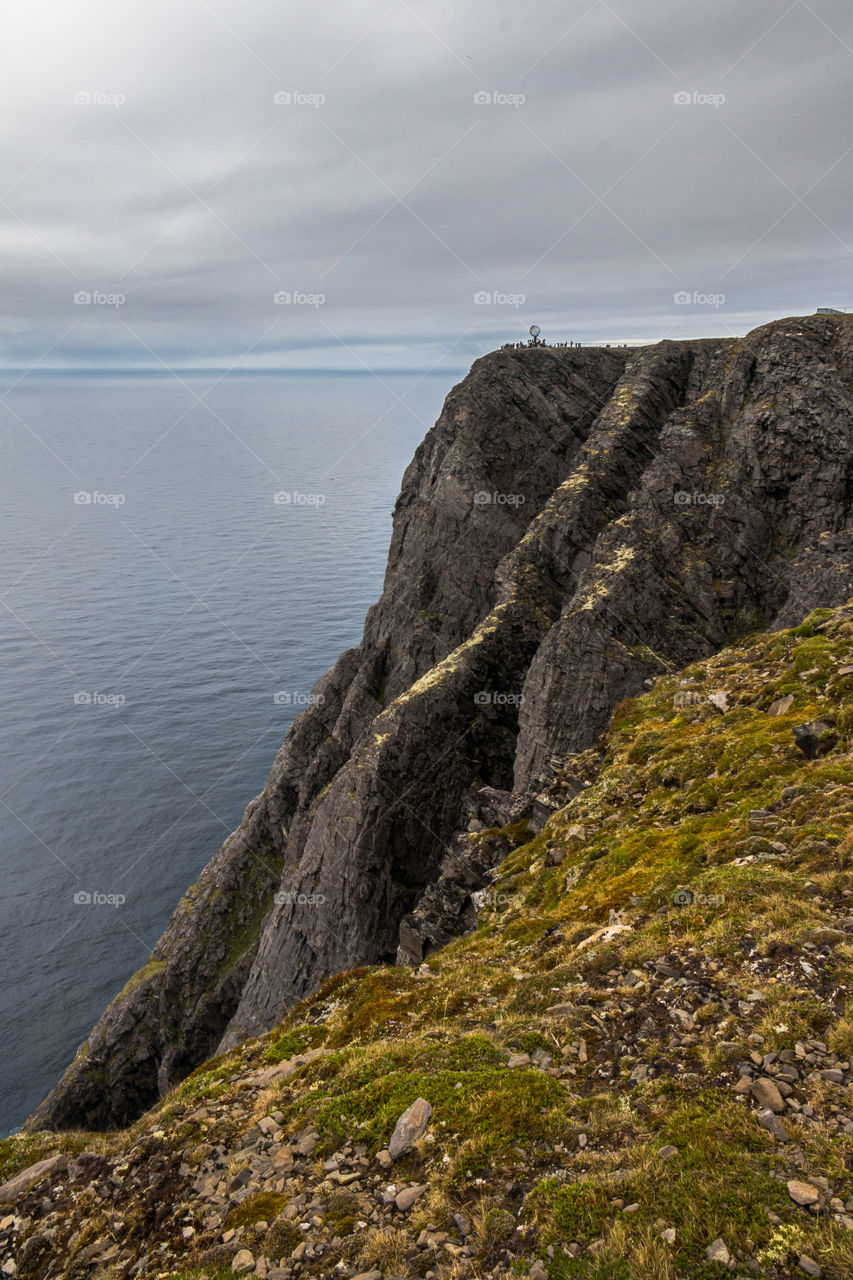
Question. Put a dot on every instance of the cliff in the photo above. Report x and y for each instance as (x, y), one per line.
(637, 1065)
(645, 509)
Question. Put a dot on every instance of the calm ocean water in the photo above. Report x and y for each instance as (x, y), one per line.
(147, 628)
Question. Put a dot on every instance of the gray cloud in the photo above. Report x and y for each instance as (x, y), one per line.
(582, 184)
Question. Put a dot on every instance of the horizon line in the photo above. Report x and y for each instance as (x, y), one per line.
(121, 370)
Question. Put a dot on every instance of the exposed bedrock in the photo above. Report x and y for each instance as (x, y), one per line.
(576, 522)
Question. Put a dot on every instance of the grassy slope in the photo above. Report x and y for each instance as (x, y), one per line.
(654, 838)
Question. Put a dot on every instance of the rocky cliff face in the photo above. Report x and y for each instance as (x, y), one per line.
(577, 523)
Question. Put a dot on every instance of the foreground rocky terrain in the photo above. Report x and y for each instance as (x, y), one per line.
(636, 1065)
(577, 523)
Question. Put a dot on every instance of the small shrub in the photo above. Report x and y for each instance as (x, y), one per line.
(840, 1037)
(281, 1239)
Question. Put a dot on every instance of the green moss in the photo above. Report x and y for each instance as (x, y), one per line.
(516, 832)
(565, 1267)
(378, 1005)
(293, 1042)
(148, 971)
(467, 1054)
(645, 746)
(469, 1092)
(533, 1040)
(499, 1226)
(265, 1206)
(210, 1080)
(576, 1212)
(718, 1185)
(818, 617)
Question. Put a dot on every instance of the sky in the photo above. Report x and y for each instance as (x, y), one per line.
(230, 184)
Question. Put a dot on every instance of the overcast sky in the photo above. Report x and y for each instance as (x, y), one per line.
(420, 180)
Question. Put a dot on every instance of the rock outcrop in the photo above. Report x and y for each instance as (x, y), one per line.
(577, 523)
(652, 1012)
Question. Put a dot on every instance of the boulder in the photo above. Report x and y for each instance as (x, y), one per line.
(803, 1193)
(411, 1126)
(407, 1197)
(771, 1122)
(717, 1252)
(767, 1095)
(816, 738)
(21, 1183)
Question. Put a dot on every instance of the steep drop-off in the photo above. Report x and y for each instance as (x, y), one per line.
(644, 509)
(636, 1065)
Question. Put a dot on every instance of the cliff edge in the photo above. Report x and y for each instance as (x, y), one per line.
(577, 523)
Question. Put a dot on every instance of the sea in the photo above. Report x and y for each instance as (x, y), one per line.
(182, 557)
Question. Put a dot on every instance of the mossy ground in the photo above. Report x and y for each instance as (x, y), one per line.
(667, 842)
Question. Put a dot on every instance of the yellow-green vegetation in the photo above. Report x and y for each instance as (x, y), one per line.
(669, 850)
(707, 853)
(840, 1038)
(208, 1081)
(148, 970)
(263, 1207)
(363, 1093)
(293, 1042)
(25, 1149)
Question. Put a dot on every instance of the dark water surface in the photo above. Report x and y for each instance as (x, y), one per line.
(145, 635)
